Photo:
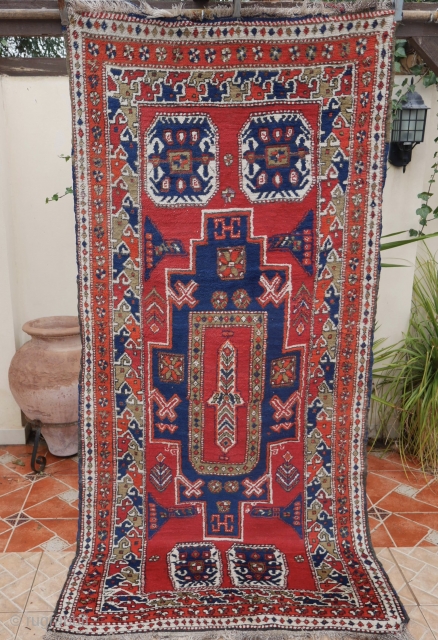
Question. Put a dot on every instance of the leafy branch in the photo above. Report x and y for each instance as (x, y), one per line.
(68, 190)
(57, 197)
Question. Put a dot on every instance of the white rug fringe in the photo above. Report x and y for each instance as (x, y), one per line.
(307, 7)
(268, 634)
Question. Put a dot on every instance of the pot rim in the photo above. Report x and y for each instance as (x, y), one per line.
(52, 327)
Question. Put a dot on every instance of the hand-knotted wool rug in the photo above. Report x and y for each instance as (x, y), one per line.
(228, 181)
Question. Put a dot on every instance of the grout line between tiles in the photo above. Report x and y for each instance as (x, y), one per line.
(400, 464)
(432, 507)
(46, 500)
(412, 498)
(20, 512)
(387, 531)
(27, 599)
(33, 581)
(385, 496)
(404, 577)
(382, 524)
(19, 625)
(427, 624)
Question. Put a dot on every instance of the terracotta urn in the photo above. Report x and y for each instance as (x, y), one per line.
(43, 377)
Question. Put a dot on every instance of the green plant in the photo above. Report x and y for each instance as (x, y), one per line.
(32, 47)
(406, 374)
(68, 190)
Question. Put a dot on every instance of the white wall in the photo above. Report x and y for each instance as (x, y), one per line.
(399, 205)
(37, 240)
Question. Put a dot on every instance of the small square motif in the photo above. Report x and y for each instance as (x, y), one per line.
(180, 161)
(283, 371)
(231, 263)
(278, 156)
(171, 367)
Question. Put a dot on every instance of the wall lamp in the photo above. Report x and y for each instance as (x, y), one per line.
(408, 128)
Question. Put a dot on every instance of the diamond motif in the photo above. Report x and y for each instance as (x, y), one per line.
(287, 475)
(161, 474)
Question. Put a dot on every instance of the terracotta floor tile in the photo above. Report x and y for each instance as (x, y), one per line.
(427, 519)
(4, 537)
(19, 450)
(65, 529)
(71, 480)
(28, 536)
(405, 533)
(378, 486)
(4, 526)
(12, 502)
(415, 479)
(64, 467)
(24, 466)
(11, 482)
(426, 544)
(42, 490)
(375, 463)
(429, 494)
(373, 522)
(50, 458)
(397, 503)
(380, 537)
(393, 456)
(51, 507)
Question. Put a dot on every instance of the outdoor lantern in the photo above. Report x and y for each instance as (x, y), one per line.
(408, 128)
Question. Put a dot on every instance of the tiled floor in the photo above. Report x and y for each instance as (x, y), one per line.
(402, 504)
(37, 512)
(38, 524)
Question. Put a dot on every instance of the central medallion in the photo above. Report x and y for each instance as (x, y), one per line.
(225, 413)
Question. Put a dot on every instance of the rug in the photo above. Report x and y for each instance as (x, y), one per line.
(228, 182)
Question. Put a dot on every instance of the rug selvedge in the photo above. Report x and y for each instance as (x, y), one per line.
(217, 495)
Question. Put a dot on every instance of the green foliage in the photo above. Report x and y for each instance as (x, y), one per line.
(57, 197)
(401, 95)
(32, 47)
(406, 374)
(68, 190)
(422, 72)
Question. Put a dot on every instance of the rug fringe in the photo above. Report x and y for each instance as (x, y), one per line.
(305, 8)
(231, 634)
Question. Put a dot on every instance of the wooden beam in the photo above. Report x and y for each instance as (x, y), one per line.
(27, 28)
(29, 18)
(427, 48)
(33, 66)
(29, 14)
(411, 29)
(424, 6)
(28, 4)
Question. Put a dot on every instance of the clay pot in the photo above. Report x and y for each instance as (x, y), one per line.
(43, 377)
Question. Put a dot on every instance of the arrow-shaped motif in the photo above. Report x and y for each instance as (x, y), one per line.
(226, 398)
